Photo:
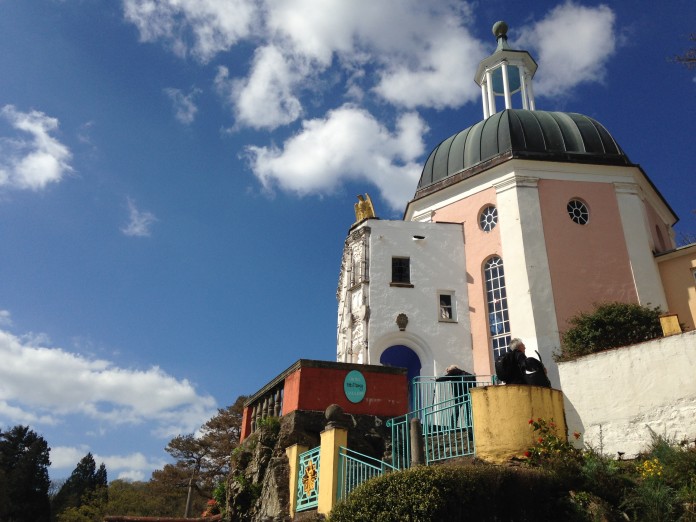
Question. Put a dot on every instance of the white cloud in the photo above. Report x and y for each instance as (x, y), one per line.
(265, 98)
(414, 47)
(5, 318)
(573, 44)
(44, 385)
(67, 457)
(184, 107)
(201, 27)
(396, 54)
(140, 222)
(349, 144)
(35, 161)
(134, 466)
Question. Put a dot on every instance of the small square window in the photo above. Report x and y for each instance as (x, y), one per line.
(401, 270)
(446, 307)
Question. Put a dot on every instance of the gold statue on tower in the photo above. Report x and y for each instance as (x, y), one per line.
(364, 208)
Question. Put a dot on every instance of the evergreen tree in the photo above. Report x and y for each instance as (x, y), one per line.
(84, 483)
(24, 482)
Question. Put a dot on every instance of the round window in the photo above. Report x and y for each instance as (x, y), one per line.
(488, 218)
(578, 212)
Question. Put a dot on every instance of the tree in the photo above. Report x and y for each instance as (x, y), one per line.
(142, 499)
(24, 461)
(609, 325)
(85, 485)
(207, 455)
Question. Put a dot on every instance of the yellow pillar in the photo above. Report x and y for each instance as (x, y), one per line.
(293, 453)
(501, 418)
(331, 440)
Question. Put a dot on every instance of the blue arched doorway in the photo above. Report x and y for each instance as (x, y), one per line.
(402, 357)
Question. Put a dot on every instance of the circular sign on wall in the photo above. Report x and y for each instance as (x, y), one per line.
(355, 386)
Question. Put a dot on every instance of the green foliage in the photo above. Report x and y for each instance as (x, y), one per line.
(82, 485)
(610, 325)
(272, 424)
(246, 493)
(24, 482)
(560, 483)
(220, 493)
(92, 508)
(147, 499)
(207, 454)
(481, 492)
(550, 448)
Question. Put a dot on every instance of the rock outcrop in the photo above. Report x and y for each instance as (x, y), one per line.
(259, 474)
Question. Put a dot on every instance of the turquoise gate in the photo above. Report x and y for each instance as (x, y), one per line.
(308, 483)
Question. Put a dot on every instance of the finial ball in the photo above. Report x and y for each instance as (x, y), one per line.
(500, 29)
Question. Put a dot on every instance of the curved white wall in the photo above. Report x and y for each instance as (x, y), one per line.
(615, 398)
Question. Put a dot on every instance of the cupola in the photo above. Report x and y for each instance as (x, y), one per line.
(506, 73)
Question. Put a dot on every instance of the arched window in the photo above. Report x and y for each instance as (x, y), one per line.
(498, 320)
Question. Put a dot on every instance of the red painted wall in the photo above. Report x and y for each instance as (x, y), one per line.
(316, 388)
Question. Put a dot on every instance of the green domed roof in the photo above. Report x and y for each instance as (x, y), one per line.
(518, 133)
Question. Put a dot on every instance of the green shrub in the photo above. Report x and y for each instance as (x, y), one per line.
(271, 424)
(610, 325)
(551, 449)
(480, 492)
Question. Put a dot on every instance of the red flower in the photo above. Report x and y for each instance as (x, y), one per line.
(527, 454)
(576, 434)
(531, 421)
(541, 440)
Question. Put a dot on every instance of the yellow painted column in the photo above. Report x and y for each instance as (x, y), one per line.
(293, 453)
(501, 418)
(331, 440)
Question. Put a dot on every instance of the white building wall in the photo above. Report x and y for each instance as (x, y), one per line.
(527, 277)
(615, 398)
(646, 274)
(437, 265)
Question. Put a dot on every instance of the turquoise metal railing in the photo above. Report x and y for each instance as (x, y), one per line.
(448, 430)
(355, 468)
(427, 391)
(308, 480)
(400, 440)
(445, 416)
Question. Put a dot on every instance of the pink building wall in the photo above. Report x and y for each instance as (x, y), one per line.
(479, 247)
(588, 263)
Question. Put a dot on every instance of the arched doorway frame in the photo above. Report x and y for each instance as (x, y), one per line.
(414, 342)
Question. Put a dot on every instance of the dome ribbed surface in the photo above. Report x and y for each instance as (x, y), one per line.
(518, 133)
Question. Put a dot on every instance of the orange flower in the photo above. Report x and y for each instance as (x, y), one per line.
(541, 440)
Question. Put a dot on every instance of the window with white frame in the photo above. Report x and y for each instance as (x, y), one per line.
(496, 299)
(447, 311)
(488, 218)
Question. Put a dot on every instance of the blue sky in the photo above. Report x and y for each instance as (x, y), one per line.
(177, 179)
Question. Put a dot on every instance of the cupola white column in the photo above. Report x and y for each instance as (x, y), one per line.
(505, 73)
(506, 85)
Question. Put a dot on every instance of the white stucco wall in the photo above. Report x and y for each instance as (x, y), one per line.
(437, 265)
(615, 398)
(527, 277)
